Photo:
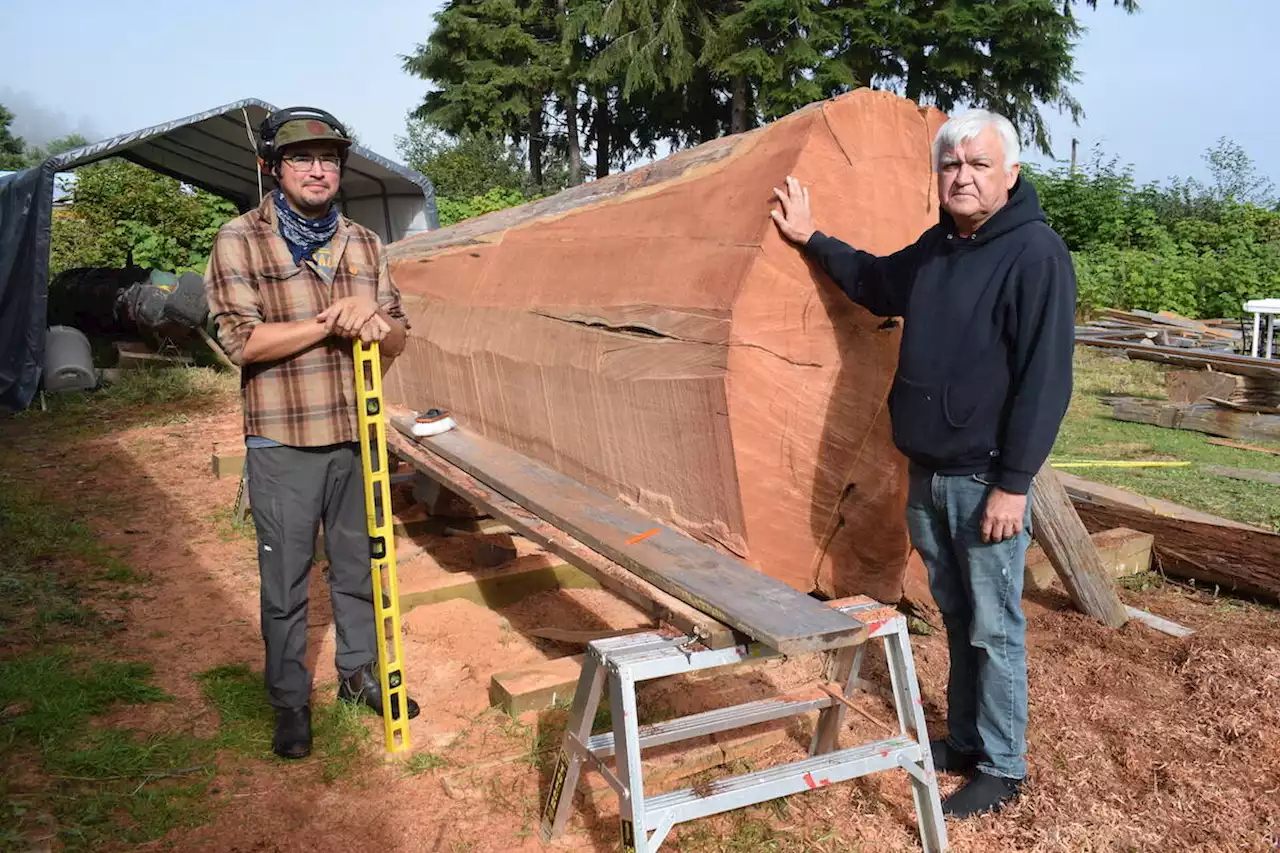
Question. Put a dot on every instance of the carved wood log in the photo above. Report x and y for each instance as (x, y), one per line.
(652, 336)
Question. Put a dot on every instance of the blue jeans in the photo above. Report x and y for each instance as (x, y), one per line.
(978, 588)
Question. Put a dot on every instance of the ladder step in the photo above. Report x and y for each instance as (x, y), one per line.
(610, 648)
(762, 785)
(695, 725)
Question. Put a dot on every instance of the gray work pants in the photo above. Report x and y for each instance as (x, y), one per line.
(291, 491)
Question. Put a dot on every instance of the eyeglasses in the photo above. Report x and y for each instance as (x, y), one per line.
(302, 162)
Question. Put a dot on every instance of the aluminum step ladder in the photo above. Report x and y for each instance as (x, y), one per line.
(646, 822)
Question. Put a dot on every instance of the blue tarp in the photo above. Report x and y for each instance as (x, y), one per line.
(26, 210)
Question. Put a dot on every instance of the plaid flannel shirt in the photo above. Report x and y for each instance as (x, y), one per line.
(308, 399)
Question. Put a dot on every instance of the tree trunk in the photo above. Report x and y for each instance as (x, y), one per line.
(570, 106)
(571, 130)
(537, 142)
(741, 90)
(915, 77)
(703, 94)
(604, 129)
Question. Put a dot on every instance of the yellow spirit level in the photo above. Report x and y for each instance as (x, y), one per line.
(382, 546)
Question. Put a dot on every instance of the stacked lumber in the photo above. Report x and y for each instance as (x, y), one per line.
(1166, 329)
(651, 335)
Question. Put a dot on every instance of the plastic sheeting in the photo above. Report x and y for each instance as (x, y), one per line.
(213, 150)
(26, 209)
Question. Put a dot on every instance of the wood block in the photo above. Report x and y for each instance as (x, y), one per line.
(1188, 386)
(492, 550)
(750, 742)
(488, 587)
(228, 460)
(1123, 552)
(535, 688)
(441, 502)
(652, 336)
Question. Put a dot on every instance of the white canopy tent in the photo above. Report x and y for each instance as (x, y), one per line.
(214, 150)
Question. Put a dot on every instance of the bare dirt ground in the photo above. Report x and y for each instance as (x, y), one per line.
(1138, 741)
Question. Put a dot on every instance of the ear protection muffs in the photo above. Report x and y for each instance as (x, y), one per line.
(268, 156)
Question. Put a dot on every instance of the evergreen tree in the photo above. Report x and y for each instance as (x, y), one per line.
(12, 148)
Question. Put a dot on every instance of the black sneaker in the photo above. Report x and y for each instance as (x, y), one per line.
(948, 759)
(984, 793)
(362, 688)
(293, 732)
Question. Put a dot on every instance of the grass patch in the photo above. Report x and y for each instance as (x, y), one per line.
(65, 781)
(341, 735)
(1088, 432)
(44, 551)
(138, 396)
(755, 830)
(100, 784)
(229, 529)
(424, 762)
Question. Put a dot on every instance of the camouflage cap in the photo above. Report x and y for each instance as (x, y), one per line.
(308, 130)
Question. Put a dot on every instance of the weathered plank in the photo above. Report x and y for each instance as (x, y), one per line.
(1089, 492)
(1064, 538)
(1273, 451)
(1239, 365)
(1235, 559)
(611, 576)
(489, 587)
(725, 588)
(1269, 477)
(1209, 419)
(1164, 626)
(1236, 406)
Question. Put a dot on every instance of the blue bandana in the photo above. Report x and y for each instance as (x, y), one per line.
(302, 235)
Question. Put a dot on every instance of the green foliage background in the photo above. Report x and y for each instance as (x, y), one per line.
(122, 211)
(1198, 249)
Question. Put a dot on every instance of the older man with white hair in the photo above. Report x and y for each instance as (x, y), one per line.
(987, 298)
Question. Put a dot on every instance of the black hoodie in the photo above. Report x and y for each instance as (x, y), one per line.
(984, 370)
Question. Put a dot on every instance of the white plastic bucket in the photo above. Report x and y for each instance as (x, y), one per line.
(68, 361)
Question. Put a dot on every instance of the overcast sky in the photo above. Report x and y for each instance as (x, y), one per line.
(1158, 88)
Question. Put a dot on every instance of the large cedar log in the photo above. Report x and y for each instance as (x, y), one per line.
(652, 336)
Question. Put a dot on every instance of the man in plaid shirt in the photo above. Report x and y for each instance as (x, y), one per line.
(291, 285)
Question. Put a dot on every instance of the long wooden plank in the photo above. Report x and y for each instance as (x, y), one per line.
(715, 583)
(1164, 626)
(1066, 541)
(1240, 365)
(1271, 478)
(1273, 451)
(1100, 494)
(611, 576)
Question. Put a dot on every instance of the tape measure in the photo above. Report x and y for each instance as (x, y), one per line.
(382, 544)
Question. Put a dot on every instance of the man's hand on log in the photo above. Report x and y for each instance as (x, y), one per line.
(1002, 517)
(795, 220)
